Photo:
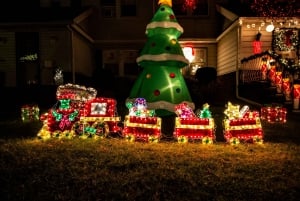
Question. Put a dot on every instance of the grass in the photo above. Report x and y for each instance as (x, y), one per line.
(114, 169)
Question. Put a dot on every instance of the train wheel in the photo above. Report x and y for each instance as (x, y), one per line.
(79, 129)
(207, 140)
(57, 134)
(182, 139)
(44, 133)
(234, 141)
(101, 129)
(130, 137)
(153, 139)
(68, 134)
(258, 140)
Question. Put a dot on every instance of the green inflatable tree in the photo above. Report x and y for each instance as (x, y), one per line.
(161, 82)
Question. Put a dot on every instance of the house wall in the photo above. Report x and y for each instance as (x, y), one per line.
(7, 59)
(83, 56)
(249, 30)
(227, 50)
(54, 53)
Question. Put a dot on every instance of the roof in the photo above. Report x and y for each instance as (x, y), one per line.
(39, 15)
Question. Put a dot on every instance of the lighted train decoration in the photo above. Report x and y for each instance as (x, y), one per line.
(141, 123)
(242, 125)
(80, 113)
(194, 127)
(98, 118)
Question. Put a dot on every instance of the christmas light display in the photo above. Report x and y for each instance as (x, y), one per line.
(30, 113)
(141, 123)
(256, 44)
(286, 88)
(264, 69)
(189, 126)
(296, 96)
(274, 8)
(273, 114)
(242, 125)
(278, 82)
(272, 73)
(285, 39)
(59, 120)
(58, 77)
(189, 4)
(161, 82)
(80, 114)
(98, 118)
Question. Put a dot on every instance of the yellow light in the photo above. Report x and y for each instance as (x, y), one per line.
(270, 27)
(189, 53)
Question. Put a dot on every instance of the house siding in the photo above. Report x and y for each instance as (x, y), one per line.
(8, 58)
(227, 52)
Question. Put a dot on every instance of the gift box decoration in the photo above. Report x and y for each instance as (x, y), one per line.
(30, 113)
(274, 114)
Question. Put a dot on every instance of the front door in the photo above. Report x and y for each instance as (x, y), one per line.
(27, 54)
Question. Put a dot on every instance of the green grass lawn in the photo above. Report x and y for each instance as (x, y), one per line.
(114, 169)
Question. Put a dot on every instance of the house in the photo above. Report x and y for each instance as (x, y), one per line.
(87, 38)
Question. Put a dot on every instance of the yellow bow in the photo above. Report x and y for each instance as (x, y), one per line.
(165, 2)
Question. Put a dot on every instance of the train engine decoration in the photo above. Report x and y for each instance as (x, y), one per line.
(190, 126)
(59, 120)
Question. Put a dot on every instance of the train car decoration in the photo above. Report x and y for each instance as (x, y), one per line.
(192, 127)
(141, 124)
(242, 125)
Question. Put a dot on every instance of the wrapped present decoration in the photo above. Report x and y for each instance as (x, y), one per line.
(30, 113)
(273, 114)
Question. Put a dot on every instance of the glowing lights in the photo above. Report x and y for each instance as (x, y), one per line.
(270, 27)
(242, 125)
(30, 113)
(141, 123)
(80, 114)
(189, 126)
(273, 114)
(189, 53)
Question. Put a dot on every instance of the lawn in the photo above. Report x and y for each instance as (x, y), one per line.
(114, 169)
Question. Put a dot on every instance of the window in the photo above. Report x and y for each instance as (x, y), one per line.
(190, 8)
(131, 69)
(108, 8)
(128, 8)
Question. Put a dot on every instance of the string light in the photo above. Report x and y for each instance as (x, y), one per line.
(274, 8)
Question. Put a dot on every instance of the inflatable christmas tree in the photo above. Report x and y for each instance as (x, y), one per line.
(161, 82)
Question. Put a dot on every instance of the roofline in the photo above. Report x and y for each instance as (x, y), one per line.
(226, 13)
